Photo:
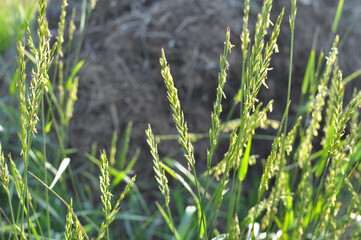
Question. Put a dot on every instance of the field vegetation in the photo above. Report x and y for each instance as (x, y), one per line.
(308, 187)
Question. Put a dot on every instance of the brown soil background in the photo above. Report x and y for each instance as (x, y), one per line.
(120, 81)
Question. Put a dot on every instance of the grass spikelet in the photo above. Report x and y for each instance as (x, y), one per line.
(304, 151)
(257, 119)
(217, 107)
(245, 39)
(235, 230)
(113, 148)
(40, 77)
(112, 212)
(71, 100)
(355, 203)
(104, 184)
(255, 212)
(5, 178)
(31, 96)
(293, 15)
(291, 137)
(270, 49)
(18, 179)
(337, 156)
(78, 233)
(332, 102)
(158, 169)
(245, 31)
(255, 70)
(125, 192)
(69, 222)
(160, 177)
(4, 172)
(181, 125)
(272, 165)
(355, 115)
(104, 188)
(61, 25)
(269, 169)
(316, 109)
(178, 115)
(22, 92)
(72, 26)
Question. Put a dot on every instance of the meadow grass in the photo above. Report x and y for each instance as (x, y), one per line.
(303, 192)
(13, 16)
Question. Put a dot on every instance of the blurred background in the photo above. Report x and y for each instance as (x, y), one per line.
(120, 81)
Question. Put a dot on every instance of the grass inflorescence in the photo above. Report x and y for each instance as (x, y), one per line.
(304, 191)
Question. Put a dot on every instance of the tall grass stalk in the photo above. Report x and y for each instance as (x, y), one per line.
(283, 161)
(162, 180)
(280, 210)
(30, 101)
(182, 128)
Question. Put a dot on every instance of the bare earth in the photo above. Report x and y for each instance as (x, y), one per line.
(121, 82)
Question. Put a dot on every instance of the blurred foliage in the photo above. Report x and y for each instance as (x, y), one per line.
(13, 17)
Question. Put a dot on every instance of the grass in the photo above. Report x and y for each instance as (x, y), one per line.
(303, 191)
(13, 15)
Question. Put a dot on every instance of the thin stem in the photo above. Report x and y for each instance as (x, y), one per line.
(281, 168)
(12, 215)
(203, 217)
(45, 169)
(318, 191)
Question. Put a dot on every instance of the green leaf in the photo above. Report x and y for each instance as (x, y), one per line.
(179, 178)
(12, 88)
(310, 72)
(168, 221)
(61, 169)
(244, 165)
(351, 77)
(69, 83)
(124, 145)
(48, 126)
(41, 202)
(131, 164)
(221, 237)
(186, 221)
(337, 16)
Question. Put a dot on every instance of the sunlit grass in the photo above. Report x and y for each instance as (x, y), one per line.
(302, 191)
(13, 16)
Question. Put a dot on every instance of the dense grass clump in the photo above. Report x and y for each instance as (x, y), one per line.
(303, 192)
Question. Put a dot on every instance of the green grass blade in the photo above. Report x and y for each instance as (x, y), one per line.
(244, 165)
(310, 73)
(130, 166)
(69, 82)
(337, 16)
(185, 224)
(39, 199)
(179, 178)
(168, 221)
(124, 145)
(60, 171)
(113, 148)
(352, 76)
